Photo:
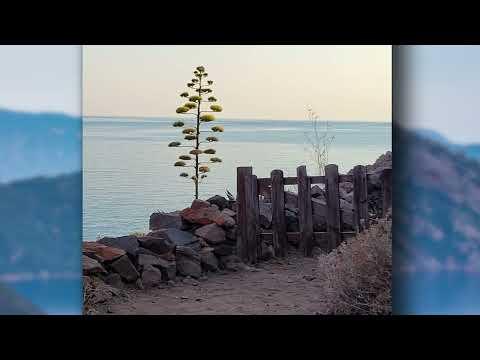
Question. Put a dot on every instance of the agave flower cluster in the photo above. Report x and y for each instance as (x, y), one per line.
(195, 136)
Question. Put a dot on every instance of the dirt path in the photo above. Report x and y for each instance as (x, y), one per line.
(275, 287)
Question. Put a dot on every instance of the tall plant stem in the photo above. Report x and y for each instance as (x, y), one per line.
(197, 146)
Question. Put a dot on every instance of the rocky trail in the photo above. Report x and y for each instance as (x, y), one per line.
(274, 287)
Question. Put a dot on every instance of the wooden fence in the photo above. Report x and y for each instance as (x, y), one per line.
(249, 188)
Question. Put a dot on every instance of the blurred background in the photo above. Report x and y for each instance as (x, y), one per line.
(436, 232)
(40, 180)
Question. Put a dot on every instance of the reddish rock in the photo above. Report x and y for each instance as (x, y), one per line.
(212, 233)
(199, 204)
(100, 252)
(91, 266)
(203, 216)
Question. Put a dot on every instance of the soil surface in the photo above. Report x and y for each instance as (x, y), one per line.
(290, 286)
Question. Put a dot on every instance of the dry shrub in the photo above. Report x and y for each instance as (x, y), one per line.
(357, 275)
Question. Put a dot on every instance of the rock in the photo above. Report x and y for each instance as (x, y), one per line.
(91, 266)
(114, 280)
(208, 260)
(124, 267)
(147, 260)
(203, 215)
(161, 220)
(231, 234)
(228, 221)
(169, 256)
(224, 250)
(151, 276)
(212, 233)
(158, 245)
(265, 212)
(175, 236)
(188, 262)
(291, 221)
(220, 201)
(317, 192)
(346, 196)
(199, 204)
(101, 252)
(229, 212)
(267, 252)
(127, 243)
(346, 186)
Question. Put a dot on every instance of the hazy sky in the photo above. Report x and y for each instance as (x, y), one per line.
(41, 78)
(442, 88)
(263, 82)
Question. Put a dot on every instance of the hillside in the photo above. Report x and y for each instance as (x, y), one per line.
(12, 304)
(38, 144)
(436, 227)
(41, 225)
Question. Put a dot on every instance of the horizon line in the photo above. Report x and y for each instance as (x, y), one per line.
(229, 118)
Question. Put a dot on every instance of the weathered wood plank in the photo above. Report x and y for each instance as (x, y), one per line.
(360, 200)
(386, 191)
(305, 216)
(242, 218)
(278, 214)
(333, 205)
(317, 180)
(256, 248)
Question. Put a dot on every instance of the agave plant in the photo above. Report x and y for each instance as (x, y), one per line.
(193, 134)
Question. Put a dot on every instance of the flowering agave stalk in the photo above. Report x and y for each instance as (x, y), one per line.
(195, 137)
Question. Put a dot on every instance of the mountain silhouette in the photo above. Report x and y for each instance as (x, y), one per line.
(436, 226)
(38, 144)
(13, 304)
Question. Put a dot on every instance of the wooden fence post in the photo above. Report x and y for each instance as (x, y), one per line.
(253, 217)
(360, 199)
(333, 206)
(305, 216)
(386, 191)
(242, 215)
(279, 227)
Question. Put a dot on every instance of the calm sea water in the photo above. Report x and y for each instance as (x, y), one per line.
(128, 168)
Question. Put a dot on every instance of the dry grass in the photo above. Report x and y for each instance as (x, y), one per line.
(357, 275)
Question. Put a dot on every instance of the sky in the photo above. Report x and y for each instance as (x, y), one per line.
(442, 90)
(350, 83)
(40, 78)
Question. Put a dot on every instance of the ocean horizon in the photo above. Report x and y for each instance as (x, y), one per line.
(128, 170)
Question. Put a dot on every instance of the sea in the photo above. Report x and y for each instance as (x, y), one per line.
(128, 170)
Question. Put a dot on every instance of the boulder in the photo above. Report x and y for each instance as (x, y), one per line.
(229, 212)
(166, 267)
(208, 260)
(147, 260)
(346, 186)
(91, 266)
(161, 220)
(224, 250)
(101, 252)
(203, 215)
(231, 234)
(127, 243)
(291, 221)
(188, 262)
(199, 204)
(157, 244)
(212, 233)
(175, 236)
(151, 276)
(317, 192)
(114, 280)
(220, 201)
(124, 267)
